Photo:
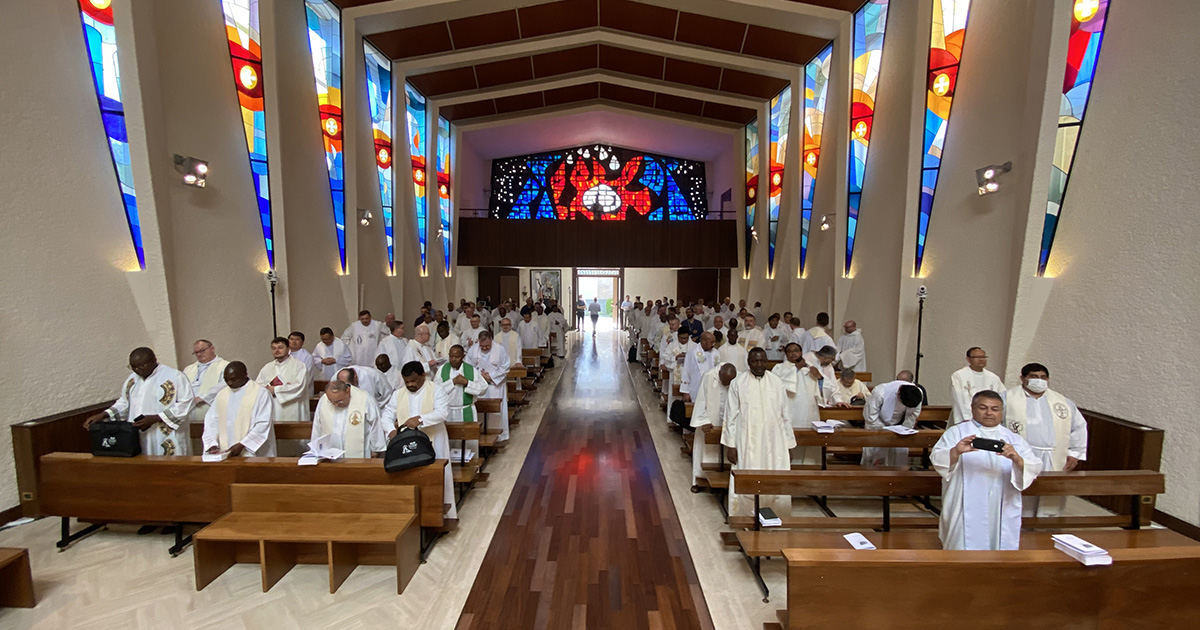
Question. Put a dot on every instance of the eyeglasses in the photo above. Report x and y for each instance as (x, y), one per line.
(978, 356)
(201, 351)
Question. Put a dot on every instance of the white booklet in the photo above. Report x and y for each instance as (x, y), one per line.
(825, 426)
(858, 541)
(900, 429)
(319, 449)
(215, 457)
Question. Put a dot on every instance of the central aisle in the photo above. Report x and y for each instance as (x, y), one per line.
(590, 537)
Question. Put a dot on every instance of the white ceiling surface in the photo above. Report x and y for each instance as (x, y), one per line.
(630, 131)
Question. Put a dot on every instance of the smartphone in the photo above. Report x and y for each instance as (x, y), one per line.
(985, 444)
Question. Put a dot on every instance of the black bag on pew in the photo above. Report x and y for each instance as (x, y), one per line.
(409, 448)
(633, 354)
(678, 414)
(115, 439)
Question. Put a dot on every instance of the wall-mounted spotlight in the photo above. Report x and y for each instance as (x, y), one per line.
(988, 177)
(825, 225)
(364, 217)
(194, 171)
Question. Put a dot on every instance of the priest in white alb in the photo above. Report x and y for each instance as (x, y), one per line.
(370, 380)
(557, 324)
(700, 358)
(363, 337)
(394, 345)
(491, 361)
(241, 418)
(205, 376)
(443, 341)
(421, 404)
(157, 399)
(710, 395)
(350, 417)
(470, 335)
(330, 355)
(462, 383)
(852, 350)
(971, 380)
(1051, 424)
(758, 432)
(511, 341)
(732, 352)
(803, 398)
(891, 404)
(532, 336)
(296, 349)
(420, 351)
(981, 489)
(752, 336)
(777, 336)
(286, 379)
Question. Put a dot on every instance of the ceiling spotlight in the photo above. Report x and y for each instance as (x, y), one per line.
(987, 177)
(194, 171)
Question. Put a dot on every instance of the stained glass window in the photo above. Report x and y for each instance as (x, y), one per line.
(325, 42)
(781, 112)
(1088, 18)
(414, 104)
(379, 97)
(816, 88)
(941, 82)
(751, 192)
(870, 24)
(598, 182)
(100, 40)
(245, 52)
(445, 157)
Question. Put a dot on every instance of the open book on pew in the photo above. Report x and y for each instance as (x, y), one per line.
(1083, 551)
(320, 449)
(826, 426)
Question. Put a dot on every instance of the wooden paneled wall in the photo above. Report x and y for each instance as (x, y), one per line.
(493, 280)
(710, 284)
(62, 432)
(1118, 444)
(547, 243)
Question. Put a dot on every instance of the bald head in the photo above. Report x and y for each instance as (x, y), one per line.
(348, 375)
(904, 375)
(338, 393)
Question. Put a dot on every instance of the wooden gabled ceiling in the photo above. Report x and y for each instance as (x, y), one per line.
(478, 32)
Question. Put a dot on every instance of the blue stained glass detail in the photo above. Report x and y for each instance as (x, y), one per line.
(379, 95)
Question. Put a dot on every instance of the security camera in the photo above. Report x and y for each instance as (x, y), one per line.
(922, 292)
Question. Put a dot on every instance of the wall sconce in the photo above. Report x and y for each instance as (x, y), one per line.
(194, 171)
(825, 221)
(364, 217)
(987, 177)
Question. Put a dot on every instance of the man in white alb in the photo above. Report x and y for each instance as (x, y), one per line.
(350, 417)
(971, 380)
(531, 335)
(205, 376)
(803, 399)
(445, 340)
(821, 330)
(981, 489)
(394, 345)
(733, 352)
(897, 402)
(390, 372)
(511, 341)
(752, 336)
(850, 389)
(470, 336)
(330, 355)
(852, 350)
(157, 399)
(296, 349)
(699, 359)
(777, 336)
(370, 380)
(1051, 424)
(421, 404)
(286, 379)
(758, 432)
(462, 383)
(241, 418)
(419, 350)
(707, 413)
(491, 360)
(557, 324)
(462, 323)
(363, 337)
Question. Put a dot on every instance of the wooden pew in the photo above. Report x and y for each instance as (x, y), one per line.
(465, 471)
(1144, 588)
(169, 490)
(489, 437)
(531, 358)
(16, 579)
(280, 525)
(937, 415)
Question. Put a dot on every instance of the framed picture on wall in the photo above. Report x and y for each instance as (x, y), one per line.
(545, 284)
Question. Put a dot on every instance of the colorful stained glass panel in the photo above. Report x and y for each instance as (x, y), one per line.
(325, 42)
(445, 158)
(379, 98)
(414, 104)
(870, 25)
(751, 192)
(816, 89)
(781, 113)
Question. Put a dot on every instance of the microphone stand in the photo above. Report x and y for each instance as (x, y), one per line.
(920, 324)
(274, 279)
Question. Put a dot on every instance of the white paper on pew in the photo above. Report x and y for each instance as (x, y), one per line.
(215, 457)
(858, 541)
(900, 429)
(825, 426)
(319, 449)
(1078, 544)
(1086, 559)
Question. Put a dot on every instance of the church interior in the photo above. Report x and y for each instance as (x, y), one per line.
(503, 335)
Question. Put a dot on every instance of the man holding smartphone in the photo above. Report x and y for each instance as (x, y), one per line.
(984, 467)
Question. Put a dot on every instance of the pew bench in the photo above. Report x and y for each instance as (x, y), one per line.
(342, 526)
(489, 437)
(1145, 587)
(465, 471)
(16, 579)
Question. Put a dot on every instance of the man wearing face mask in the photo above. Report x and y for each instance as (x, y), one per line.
(1052, 425)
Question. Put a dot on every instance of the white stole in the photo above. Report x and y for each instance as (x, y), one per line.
(404, 401)
(354, 437)
(1060, 410)
(241, 419)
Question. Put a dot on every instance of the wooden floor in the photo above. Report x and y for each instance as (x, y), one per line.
(590, 537)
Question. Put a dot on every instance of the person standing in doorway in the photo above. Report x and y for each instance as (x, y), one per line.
(580, 307)
(594, 311)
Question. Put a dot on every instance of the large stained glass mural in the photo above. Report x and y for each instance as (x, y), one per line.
(1088, 18)
(870, 24)
(379, 99)
(445, 158)
(598, 182)
(941, 82)
(414, 107)
(816, 91)
(100, 40)
(781, 113)
(245, 52)
(325, 42)
(751, 192)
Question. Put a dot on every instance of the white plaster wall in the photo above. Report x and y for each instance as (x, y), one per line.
(65, 250)
(466, 284)
(1125, 255)
(652, 283)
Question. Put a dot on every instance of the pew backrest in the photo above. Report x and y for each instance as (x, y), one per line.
(332, 499)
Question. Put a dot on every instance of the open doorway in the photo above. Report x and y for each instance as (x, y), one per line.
(604, 286)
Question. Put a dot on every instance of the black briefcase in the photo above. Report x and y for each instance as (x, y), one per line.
(678, 414)
(115, 439)
(409, 448)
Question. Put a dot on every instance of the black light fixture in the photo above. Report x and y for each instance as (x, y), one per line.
(194, 171)
(988, 177)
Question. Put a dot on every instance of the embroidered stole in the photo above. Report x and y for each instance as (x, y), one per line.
(468, 400)
(241, 418)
